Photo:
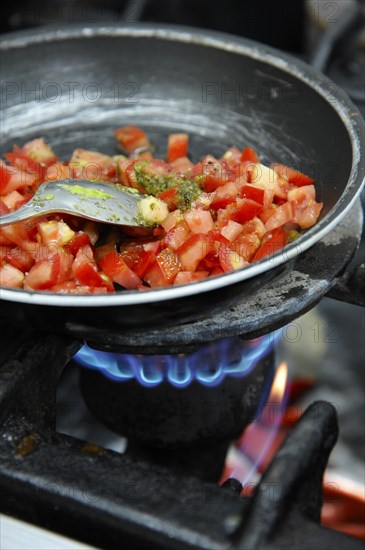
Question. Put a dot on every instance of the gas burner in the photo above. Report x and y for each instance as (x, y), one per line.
(52, 480)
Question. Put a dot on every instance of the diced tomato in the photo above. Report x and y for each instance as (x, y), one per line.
(113, 265)
(254, 227)
(261, 195)
(5, 175)
(55, 231)
(131, 138)
(246, 245)
(177, 146)
(10, 276)
(212, 173)
(199, 221)
(18, 179)
(152, 246)
(14, 233)
(171, 220)
(44, 274)
(249, 155)
(224, 195)
(58, 171)
(293, 176)
(272, 242)
(4, 250)
(38, 151)
(230, 259)
(193, 250)
(4, 209)
(308, 216)
(233, 154)
(182, 165)
(231, 230)
(177, 235)
(170, 197)
(185, 277)
(91, 165)
(14, 200)
(164, 269)
(282, 215)
(85, 270)
(78, 240)
(72, 287)
(245, 210)
(20, 259)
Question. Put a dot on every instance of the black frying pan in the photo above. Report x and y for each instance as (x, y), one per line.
(74, 85)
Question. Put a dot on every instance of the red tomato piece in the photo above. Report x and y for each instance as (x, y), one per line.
(131, 138)
(282, 215)
(14, 200)
(182, 165)
(4, 209)
(231, 230)
(291, 175)
(199, 221)
(177, 235)
(170, 197)
(177, 146)
(230, 259)
(44, 274)
(85, 270)
(114, 266)
(249, 155)
(272, 242)
(78, 240)
(246, 245)
(245, 210)
(20, 259)
(185, 277)
(10, 276)
(164, 269)
(192, 251)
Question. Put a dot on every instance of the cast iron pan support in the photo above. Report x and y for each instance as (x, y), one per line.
(68, 486)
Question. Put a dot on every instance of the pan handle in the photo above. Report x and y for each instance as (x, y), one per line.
(350, 287)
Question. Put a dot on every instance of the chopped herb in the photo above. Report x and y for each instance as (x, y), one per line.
(187, 190)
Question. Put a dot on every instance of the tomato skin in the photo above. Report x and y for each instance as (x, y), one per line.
(170, 197)
(177, 235)
(185, 277)
(182, 165)
(20, 259)
(10, 276)
(292, 176)
(245, 210)
(177, 146)
(230, 259)
(164, 269)
(282, 215)
(131, 138)
(78, 240)
(114, 266)
(85, 270)
(246, 245)
(249, 155)
(194, 249)
(272, 242)
(199, 221)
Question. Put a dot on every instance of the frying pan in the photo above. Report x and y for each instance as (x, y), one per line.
(74, 85)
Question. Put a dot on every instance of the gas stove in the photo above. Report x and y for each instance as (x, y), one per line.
(88, 451)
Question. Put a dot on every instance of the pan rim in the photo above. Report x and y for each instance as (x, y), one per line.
(344, 108)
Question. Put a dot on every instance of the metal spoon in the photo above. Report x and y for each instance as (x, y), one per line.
(97, 201)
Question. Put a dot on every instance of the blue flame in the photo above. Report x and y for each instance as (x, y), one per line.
(209, 365)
